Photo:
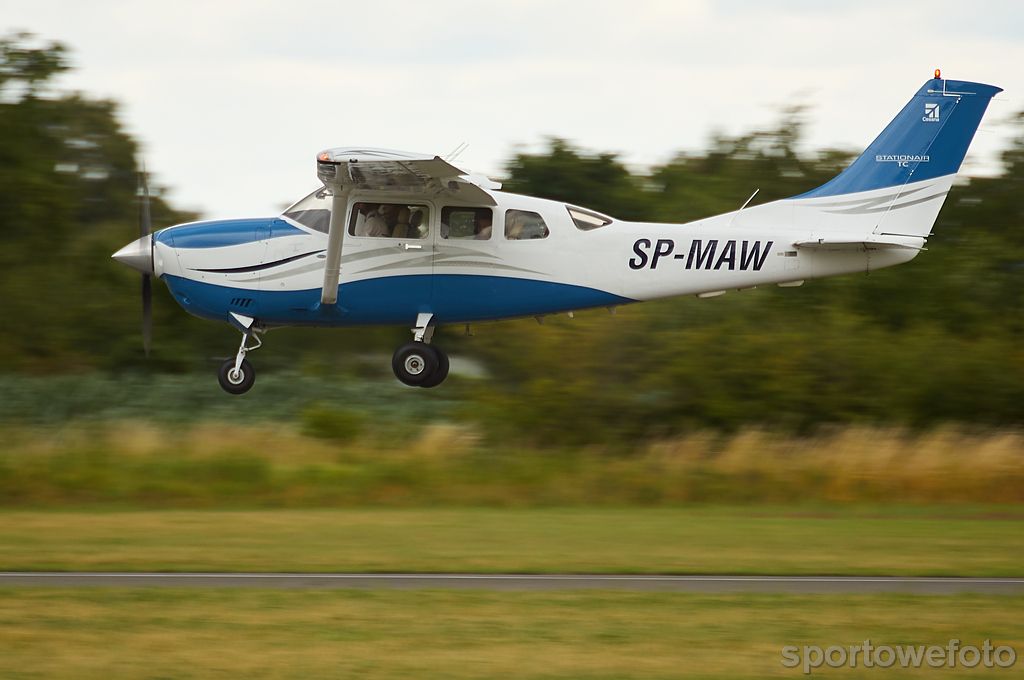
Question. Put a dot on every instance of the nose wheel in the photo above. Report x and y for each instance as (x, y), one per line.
(236, 376)
(236, 380)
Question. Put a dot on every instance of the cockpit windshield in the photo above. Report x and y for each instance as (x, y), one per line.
(313, 211)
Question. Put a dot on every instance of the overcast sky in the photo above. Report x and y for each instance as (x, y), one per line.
(232, 100)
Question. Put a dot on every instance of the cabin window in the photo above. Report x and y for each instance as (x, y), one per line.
(521, 225)
(466, 223)
(587, 219)
(313, 211)
(389, 220)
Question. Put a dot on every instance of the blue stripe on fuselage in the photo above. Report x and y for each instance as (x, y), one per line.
(220, 233)
(452, 298)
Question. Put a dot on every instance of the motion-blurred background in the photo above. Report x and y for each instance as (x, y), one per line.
(866, 424)
(934, 346)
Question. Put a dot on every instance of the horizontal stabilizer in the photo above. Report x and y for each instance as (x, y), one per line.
(860, 242)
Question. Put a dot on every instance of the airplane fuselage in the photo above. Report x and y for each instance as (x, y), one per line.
(272, 268)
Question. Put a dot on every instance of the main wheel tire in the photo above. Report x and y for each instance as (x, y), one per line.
(236, 383)
(414, 363)
(440, 373)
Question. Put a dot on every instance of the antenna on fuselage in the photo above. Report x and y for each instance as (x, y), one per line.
(745, 204)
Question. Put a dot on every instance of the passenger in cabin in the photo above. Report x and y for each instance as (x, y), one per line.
(523, 224)
(401, 228)
(459, 222)
(515, 224)
(482, 225)
(389, 213)
(416, 227)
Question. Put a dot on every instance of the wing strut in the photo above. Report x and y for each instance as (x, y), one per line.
(335, 238)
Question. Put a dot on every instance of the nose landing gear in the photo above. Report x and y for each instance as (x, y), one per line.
(418, 363)
(236, 376)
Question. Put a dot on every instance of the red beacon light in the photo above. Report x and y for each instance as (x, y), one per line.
(938, 74)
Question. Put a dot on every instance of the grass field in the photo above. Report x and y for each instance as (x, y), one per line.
(257, 634)
(912, 540)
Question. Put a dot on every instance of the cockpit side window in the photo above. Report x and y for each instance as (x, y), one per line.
(389, 220)
(313, 211)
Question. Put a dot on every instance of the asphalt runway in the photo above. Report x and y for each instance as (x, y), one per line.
(528, 582)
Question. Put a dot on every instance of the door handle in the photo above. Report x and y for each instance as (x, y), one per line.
(412, 246)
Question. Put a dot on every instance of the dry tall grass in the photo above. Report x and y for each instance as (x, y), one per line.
(857, 464)
(209, 464)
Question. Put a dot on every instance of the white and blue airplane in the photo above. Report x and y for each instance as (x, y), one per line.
(405, 238)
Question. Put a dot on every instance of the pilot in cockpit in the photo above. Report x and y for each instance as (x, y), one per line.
(370, 221)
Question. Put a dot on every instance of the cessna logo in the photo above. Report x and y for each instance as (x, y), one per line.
(931, 113)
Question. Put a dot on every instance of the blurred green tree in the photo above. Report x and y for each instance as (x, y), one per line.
(68, 180)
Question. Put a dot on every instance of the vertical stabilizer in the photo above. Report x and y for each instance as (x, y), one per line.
(899, 183)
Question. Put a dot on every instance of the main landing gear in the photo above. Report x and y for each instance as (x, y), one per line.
(418, 363)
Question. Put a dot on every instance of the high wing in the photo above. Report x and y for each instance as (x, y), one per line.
(344, 169)
(398, 171)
